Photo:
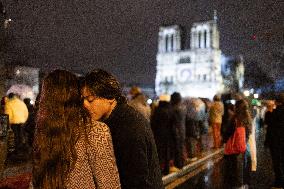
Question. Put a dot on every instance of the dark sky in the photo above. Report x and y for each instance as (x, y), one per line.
(121, 35)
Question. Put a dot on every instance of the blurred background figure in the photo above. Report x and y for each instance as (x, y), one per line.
(29, 126)
(18, 115)
(238, 166)
(179, 113)
(139, 102)
(256, 113)
(215, 119)
(268, 123)
(227, 120)
(195, 110)
(276, 140)
(164, 133)
(3, 102)
(206, 131)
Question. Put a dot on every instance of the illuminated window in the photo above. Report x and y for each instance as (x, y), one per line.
(204, 77)
(205, 38)
(167, 39)
(211, 38)
(172, 42)
(199, 39)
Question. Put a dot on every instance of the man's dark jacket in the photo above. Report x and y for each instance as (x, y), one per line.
(134, 148)
(164, 133)
(277, 125)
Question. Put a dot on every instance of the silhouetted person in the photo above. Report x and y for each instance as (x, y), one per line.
(238, 166)
(30, 123)
(179, 113)
(18, 115)
(215, 119)
(139, 102)
(277, 141)
(163, 128)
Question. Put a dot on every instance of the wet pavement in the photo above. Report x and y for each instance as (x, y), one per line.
(213, 177)
(205, 173)
(15, 168)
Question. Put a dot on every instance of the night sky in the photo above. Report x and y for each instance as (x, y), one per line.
(121, 35)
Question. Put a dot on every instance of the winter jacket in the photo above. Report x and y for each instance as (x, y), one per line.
(134, 148)
(277, 125)
(17, 111)
(95, 166)
(216, 112)
(141, 106)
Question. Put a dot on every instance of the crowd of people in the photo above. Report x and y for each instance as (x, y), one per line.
(86, 134)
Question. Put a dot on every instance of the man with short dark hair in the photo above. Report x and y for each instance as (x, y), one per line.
(133, 141)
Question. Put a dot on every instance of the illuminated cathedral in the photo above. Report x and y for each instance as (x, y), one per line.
(195, 72)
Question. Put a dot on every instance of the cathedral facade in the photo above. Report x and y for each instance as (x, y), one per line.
(194, 72)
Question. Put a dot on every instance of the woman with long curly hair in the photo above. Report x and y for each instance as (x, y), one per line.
(70, 150)
(238, 166)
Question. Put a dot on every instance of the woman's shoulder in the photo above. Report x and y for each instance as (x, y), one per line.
(98, 126)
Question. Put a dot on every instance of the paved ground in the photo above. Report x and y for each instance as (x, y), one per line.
(208, 176)
(212, 178)
(15, 169)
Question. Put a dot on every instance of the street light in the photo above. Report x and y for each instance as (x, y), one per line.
(255, 95)
(246, 93)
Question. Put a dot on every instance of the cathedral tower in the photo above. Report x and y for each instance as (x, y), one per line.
(169, 39)
(205, 35)
(194, 72)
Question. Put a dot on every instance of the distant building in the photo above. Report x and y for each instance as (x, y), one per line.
(195, 72)
(21, 80)
(233, 73)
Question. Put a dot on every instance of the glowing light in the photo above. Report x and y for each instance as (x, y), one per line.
(206, 178)
(233, 102)
(255, 95)
(246, 93)
(149, 101)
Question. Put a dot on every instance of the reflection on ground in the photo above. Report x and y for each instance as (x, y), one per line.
(212, 178)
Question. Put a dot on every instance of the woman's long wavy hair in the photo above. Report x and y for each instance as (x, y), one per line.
(58, 128)
(242, 114)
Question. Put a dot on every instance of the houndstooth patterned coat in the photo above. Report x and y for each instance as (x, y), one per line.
(96, 165)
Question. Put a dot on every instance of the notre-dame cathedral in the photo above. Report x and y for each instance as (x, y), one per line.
(194, 72)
